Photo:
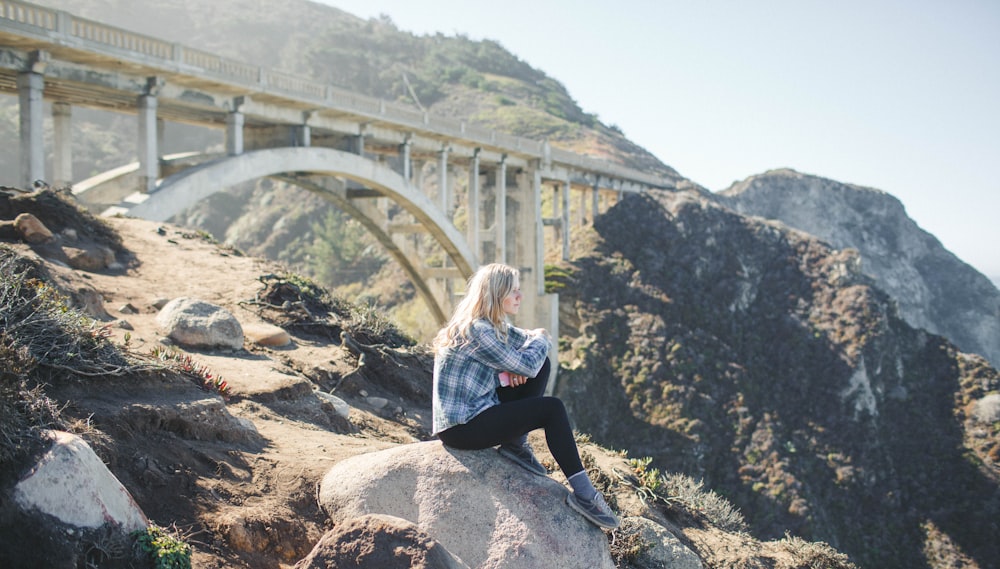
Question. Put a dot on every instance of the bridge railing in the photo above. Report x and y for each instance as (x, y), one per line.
(51, 23)
(28, 14)
(212, 64)
(118, 38)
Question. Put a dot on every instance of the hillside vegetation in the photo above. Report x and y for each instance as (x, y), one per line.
(755, 356)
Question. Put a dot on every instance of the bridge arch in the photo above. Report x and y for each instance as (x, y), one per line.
(307, 167)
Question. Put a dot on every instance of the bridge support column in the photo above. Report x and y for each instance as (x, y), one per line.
(30, 86)
(500, 219)
(62, 149)
(565, 219)
(538, 309)
(358, 144)
(405, 152)
(444, 193)
(302, 135)
(149, 164)
(531, 232)
(473, 205)
(234, 133)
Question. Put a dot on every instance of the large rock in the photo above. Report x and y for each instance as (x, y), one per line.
(663, 549)
(71, 484)
(481, 507)
(195, 323)
(379, 542)
(935, 290)
(32, 229)
(90, 257)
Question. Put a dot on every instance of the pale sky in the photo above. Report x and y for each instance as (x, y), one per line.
(902, 96)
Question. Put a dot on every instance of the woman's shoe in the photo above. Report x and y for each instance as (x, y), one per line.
(524, 457)
(596, 511)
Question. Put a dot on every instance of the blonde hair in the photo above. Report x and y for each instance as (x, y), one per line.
(484, 295)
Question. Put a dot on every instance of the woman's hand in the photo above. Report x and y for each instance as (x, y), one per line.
(540, 332)
(516, 380)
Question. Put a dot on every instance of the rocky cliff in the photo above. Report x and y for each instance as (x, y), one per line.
(756, 356)
(934, 289)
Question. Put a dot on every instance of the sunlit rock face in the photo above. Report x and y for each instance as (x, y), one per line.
(935, 290)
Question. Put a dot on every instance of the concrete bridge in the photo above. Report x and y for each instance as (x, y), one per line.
(417, 182)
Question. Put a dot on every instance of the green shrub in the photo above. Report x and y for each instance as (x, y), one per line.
(185, 364)
(689, 492)
(682, 490)
(162, 549)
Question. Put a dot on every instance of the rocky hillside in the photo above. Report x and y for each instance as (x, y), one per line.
(934, 289)
(757, 357)
(299, 445)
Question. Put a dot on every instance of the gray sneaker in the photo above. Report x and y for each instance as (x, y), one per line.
(596, 511)
(523, 456)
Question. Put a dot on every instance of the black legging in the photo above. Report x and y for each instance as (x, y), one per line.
(521, 410)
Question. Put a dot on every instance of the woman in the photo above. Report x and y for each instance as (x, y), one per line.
(472, 410)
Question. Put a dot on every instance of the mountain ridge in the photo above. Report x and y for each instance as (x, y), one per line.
(934, 288)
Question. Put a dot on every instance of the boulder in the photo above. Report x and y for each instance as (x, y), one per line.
(195, 323)
(88, 300)
(89, 257)
(987, 409)
(663, 549)
(71, 484)
(32, 229)
(379, 542)
(483, 508)
(340, 407)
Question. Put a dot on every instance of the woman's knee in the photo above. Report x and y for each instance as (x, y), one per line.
(554, 406)
(543, 373)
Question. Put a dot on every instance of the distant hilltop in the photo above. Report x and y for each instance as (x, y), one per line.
(935, 290)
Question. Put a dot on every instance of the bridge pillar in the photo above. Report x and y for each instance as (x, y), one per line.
(500, 218)
(30, 86)
(302, 135)
(62, 140)
(473, 205)
(565, 218)
(444, 194)
(234, 133)
(405, 152)
(538, 309)
(149, 164)
(531, 232)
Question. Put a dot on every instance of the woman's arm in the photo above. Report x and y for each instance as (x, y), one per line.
(522, 354)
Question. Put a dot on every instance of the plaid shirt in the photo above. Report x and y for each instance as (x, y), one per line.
(466, 376)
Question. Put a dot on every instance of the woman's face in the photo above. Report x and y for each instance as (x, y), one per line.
(512, 302)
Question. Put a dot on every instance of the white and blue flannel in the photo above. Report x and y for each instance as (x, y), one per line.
(466, 376)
